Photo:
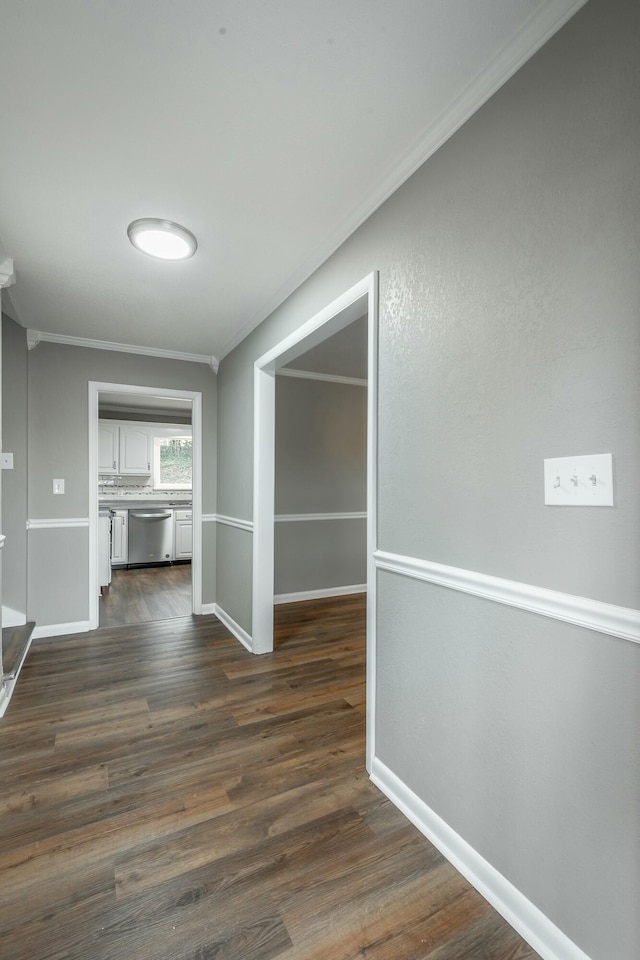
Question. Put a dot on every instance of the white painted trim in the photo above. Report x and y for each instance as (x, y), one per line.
(541, 26)
(622, 622)
(57, 523)
(350, 306)
(5, 695)
(95, 388)
(13, 618)
(60, 629)
(239, 632)
(209, 518)
(320, 594)
(533, 925)
(312, 375)
(312, 517)
(34, 337)
(2, 540)
(234, 522)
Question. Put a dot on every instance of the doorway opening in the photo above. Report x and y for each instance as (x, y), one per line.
(145, 495)
(358, 302)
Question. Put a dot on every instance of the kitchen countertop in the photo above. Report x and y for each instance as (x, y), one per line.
(122, 503)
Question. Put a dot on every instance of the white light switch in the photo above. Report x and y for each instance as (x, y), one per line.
(58, 486)
(579, 481)
(6, 461)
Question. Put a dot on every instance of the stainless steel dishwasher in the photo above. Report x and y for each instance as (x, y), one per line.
(150, 536)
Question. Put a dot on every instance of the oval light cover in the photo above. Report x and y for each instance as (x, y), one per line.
(162, 239)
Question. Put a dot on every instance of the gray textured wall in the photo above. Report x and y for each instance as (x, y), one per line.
(321, 447)
(509, 332)
(58, 447)
(320, 467)
(14, 482)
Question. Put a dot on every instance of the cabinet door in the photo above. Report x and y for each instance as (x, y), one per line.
(119, 530)
(107, 447)
(183, 539)
(135, 451)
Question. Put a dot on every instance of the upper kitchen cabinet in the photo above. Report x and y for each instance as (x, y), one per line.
(108, 452)
(136, 450)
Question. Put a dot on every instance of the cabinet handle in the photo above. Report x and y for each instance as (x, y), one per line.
(114, 464)
(149, 466)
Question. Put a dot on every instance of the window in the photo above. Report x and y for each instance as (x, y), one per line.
(172, 457)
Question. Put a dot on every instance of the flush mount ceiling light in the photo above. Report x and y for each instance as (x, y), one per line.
(162, 239)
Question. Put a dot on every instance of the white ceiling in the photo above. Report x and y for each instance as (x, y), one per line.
(270, 128)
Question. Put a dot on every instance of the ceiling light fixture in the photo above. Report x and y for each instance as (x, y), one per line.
(162, 239)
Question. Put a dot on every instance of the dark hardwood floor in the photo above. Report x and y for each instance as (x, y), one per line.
(168, 796)
(146, 593)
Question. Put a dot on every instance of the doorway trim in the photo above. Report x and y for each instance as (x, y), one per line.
(351, 305)
(95, 389)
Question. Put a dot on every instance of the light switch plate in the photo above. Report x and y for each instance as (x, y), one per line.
(58, 486)
(6, 461)
(579, 481)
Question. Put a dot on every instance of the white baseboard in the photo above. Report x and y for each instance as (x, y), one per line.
(13, 618)
(536, 928)
(5, 696)
(59, 629)
(231, 625)
(320, 594)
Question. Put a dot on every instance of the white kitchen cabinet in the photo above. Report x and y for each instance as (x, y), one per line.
(119, 537)
(136, 449)
(104, 565)
(108, 451)
(183, 535)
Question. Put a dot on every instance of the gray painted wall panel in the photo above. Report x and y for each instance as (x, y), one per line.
(14, 482)
(523, 735)
(234, 571)
(209, 548)
(319, 554)
(510, 296)
(321, 447)
(58, 575)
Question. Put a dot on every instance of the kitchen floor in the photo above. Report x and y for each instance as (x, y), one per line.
(146, 593)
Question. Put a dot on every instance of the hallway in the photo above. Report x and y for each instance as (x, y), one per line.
(172, 797)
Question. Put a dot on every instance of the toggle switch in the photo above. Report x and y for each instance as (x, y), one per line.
(579, 481)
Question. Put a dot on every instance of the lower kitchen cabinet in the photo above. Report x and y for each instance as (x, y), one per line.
(119, 537)
(183, 535)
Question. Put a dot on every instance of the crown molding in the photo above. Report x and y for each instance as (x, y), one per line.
(34, 337)
(7, 273)
(540, 27)
(312, 375)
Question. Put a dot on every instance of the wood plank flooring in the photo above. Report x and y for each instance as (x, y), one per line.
(146, 593)
(168, 796)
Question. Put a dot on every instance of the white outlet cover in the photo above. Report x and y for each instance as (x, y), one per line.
(58, 486)
(579, 481)
(6, 461)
